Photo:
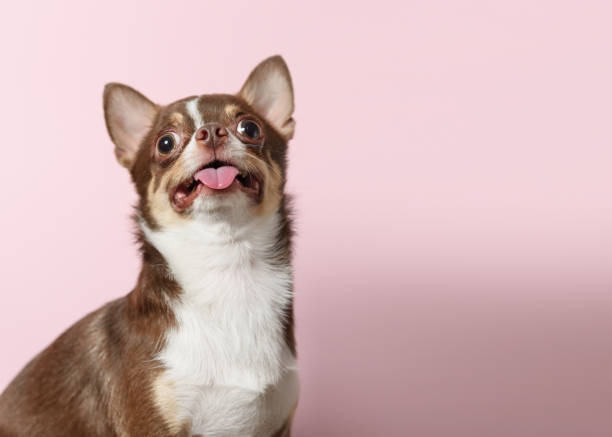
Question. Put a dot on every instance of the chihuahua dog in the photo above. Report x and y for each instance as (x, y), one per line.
(203, 344)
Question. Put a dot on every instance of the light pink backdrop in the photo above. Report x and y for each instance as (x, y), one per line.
(452, 174)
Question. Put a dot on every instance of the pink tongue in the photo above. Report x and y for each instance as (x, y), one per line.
(217, 178)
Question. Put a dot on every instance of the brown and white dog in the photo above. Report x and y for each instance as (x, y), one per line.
(203, 344)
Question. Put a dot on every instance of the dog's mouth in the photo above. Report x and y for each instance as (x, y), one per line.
(216, 177)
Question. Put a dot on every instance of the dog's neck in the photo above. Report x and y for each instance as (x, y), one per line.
(197, 251)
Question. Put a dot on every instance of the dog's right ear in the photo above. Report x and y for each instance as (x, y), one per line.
(129, 115)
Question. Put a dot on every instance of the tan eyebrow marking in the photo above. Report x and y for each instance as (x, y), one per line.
(231, 110)
(176, 119)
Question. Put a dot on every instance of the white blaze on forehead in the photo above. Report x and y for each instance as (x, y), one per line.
(191, 153)
(194, 112)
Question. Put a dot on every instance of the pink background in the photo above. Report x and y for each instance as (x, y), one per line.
(452, 169)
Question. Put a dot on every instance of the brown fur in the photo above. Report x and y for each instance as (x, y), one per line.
(93, 373)
(100, 377)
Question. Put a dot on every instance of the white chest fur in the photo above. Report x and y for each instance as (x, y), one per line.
(229, 371)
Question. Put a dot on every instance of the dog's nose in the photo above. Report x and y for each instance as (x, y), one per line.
(211, 135)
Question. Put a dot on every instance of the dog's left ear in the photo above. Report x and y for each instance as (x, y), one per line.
(269, 90)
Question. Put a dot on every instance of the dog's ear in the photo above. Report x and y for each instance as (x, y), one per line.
(268, 89)
(129, 115)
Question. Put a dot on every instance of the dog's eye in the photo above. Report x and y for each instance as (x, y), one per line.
(249, 129)
(167, 143)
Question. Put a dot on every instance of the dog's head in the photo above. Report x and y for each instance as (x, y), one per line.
(217, 154)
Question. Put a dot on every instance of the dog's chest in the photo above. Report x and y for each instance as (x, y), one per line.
(228, 370)
(232, 375)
